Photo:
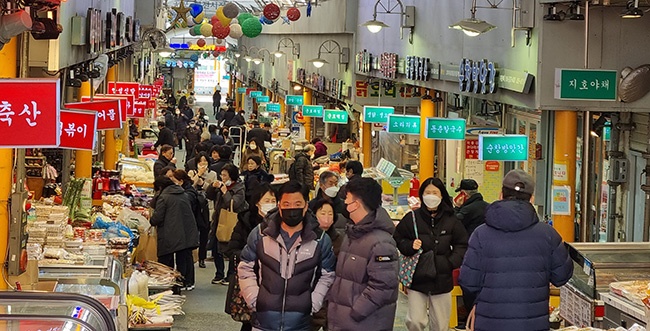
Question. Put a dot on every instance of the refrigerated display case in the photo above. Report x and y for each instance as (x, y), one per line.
(596, 265)
(32, 311)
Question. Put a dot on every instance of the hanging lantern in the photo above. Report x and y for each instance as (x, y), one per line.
(271, 11)
(206, 29)
(197, 30)
(214, 20)
(230, 10)
(293, 14)
(243, 17)
(251, 28)
(220, 32)
(236, 31)
(201, 42)
(194, 57)
(216, 53)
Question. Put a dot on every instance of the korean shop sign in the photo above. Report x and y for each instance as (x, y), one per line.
(477, 76)
(78, 129)
(139, 107)
(335, 116)
(263, 98)
(273, 107)
(29, 112)
(445, 128)
(405, 124)
(585, 84)
(372, 114)
(503, 147)
(108, 112)
(417, 68)
(312, 111)
(124, 88)
(146, 91)
(126, 102)
(388, 65)
(294, 100)
(241, 90)
(255, 94)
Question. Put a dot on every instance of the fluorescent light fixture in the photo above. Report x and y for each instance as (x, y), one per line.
(297, 87)
(374, 25)
(318, 62)
(164, 54)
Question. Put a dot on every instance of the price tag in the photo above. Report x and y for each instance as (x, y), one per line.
(587, 268)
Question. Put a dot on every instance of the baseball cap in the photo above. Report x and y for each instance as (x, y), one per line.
(520, 181)
(467, 184)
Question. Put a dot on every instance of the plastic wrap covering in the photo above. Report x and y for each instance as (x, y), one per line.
(398, 149)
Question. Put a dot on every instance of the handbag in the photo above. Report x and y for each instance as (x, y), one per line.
(422, 264)
(227, 222)
(147, 249)
(235, 305)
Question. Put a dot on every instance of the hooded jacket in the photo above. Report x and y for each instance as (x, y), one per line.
(510, 261)
(444, 235)
(285, 285)
(304, 170)
(364, 293)
(472, 212)
(174, 221)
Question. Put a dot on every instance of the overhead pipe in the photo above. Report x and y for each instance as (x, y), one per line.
(613, 152)
(585, 205)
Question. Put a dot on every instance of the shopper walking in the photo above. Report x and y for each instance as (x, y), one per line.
(511, 260)
(165, 136)
(181, 126)
(294, 262)
(364, 293)
(229, 189)
(176, 228)
(224, 153)
(202, 179)
(302, 169)
(254, 175)
(438, 231)
(192, 137)
(165, 159)
(252, 150)
(216, 99)
(328, 190)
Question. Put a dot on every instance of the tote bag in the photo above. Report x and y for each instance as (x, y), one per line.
(227, 222)
(409, 264)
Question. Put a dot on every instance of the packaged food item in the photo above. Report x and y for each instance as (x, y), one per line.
(80, 232)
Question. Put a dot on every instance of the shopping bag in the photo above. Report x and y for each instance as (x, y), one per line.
(147, 249)
(235, 304)
(227, 221)
(408, 264)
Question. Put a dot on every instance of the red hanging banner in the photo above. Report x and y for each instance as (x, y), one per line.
(108, 116)
(29, 113)
(146, 91)
(78, 129)
(139, 108)
(123, 102)
(124, 88)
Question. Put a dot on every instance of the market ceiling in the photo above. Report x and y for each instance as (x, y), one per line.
(251, 6)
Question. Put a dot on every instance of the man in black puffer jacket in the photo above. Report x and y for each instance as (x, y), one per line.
(511, 260)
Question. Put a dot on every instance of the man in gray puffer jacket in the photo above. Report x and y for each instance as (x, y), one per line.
(364, 293)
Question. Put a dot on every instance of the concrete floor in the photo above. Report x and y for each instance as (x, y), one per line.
(204, 309)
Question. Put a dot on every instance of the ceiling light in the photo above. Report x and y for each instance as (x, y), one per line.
(575, 14)
(374, 25)
(632, 10)
(297, 87)
(552, 14)
(257, 60)
(248, 58)
(318, 62)
(237, 55)
(472, 26)
(278, 53)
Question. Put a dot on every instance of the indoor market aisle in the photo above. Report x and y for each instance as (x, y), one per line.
(205, 306)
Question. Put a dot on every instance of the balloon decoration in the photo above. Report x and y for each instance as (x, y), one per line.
(201, 42)
(219, 41)
(225, 21)
(236, 31)
(230, 10)
(206, 29)
(196, 9)
(243, 17)
(271, 11)
(194, 57)
(191, 23)
(220, 32)
(234, 21)
(214, 20)
(199, 18)
(293, 14)
(216, 53)
(266, 21)
(251, 28)
(197, 30)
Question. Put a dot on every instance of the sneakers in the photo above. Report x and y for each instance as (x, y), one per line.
(460, 327)
(202, 264)
(187, 288)
(221, 281)
(224, 282)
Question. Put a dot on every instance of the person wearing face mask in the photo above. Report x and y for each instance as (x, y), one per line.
(262, 203)
(294, 262)
(328, 190)
(255, 175)
(441, 232)
(165, 159)
(253, 149)
(202, 179)
(302, 169)
(192, 138)
(229, 189)
(364, 293)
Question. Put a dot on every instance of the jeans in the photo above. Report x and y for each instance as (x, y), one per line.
(184, 264)
(219, 264)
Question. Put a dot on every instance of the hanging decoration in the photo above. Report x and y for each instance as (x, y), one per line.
(225, 21)
(196, 9)
(216, 53)
(199, 18)
(206, 29)
(220, 32)
(201, 42)
(251, 28)
(214, 20)
(181, 14)
(236, 31)
(230, 10)
(196, 29)
(266, 21)
(309, 8)
(243, 17)
(293, 14)
(271, 11)
(194, 57)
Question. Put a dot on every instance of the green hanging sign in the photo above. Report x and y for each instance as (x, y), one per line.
(294, 100)
(312, 111)
(335, 116)
(404, 124)
(445, 128)
(503, 147)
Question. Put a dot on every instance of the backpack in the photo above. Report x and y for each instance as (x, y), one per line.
(202, 211)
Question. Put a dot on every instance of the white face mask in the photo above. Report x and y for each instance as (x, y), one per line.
(253, 146)
(265, 208)
(431, 201)
(331, 191)
(228, 182)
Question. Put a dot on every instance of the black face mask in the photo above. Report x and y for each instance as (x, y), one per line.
(292, 216)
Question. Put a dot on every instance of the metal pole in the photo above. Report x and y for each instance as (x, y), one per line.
(613, 187)
(646, 189)
(584, 185)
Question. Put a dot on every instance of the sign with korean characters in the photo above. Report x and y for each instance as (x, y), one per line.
(139, 108)
(78, 129)
(126, 102)
(312, 111)
(335, 116)
(294, 100)
(241, 90)
(146, 91)
(374, 114)
(263, 98)
(586, 84)
(503, 147)
(273, 107)
(108, 112)
(404, 124)
(255, 94)
(124, 88)
(445, 128)
(29, 112)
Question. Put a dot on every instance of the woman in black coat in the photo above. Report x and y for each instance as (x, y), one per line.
(441, 232)
(176, 228)
(254, 176)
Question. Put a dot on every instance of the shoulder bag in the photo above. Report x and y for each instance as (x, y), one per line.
(422, 264)
(227, 221)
